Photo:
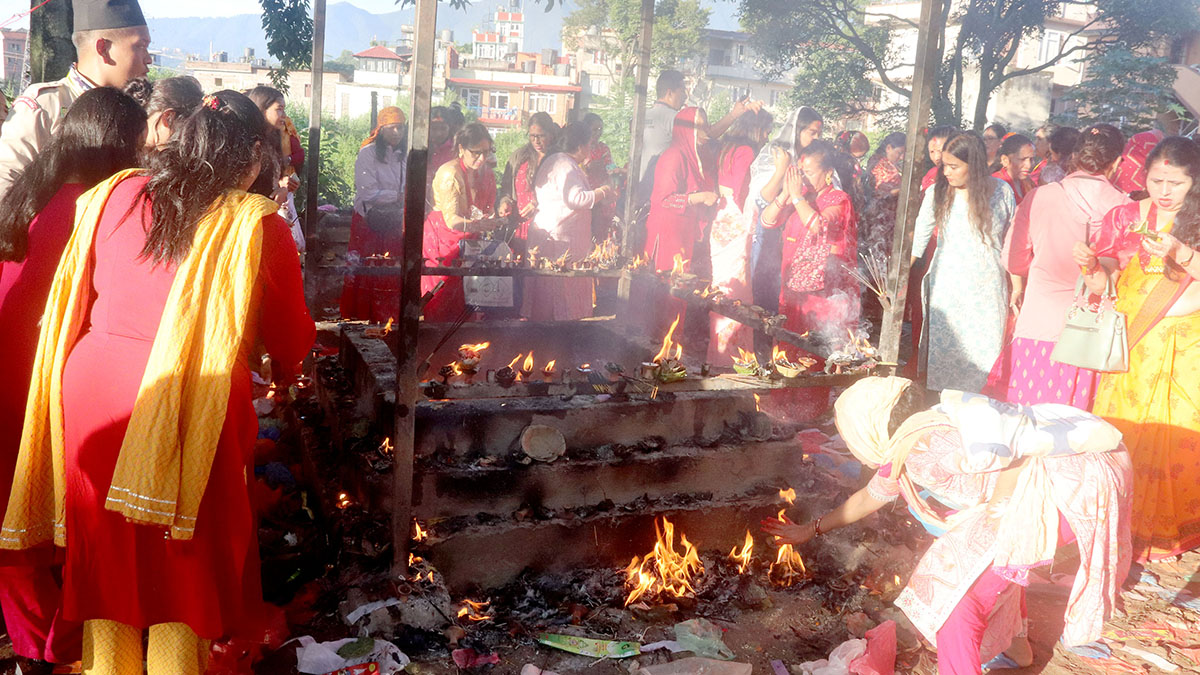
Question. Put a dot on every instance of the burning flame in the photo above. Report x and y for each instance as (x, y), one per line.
(788, 567)
(343, 500)
(475, 349)
(385, 448)
(456, 368)
(513, 363)
(387, 327)
(678, 352)
(788, 495)
(745, 357)
(679, 263)
(664, 571)
(418, 533)
(474, 611)
(668, 342)
(742, 558)
(550, 366)
(528, 365)
(757, 403)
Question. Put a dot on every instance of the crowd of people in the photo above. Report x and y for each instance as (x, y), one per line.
(145, 225)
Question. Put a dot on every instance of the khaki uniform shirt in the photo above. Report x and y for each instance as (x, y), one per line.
(33, 119)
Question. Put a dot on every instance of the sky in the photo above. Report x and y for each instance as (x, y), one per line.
(723, 10)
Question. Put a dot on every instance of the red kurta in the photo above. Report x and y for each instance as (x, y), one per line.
(131, 573)
(1020, 188)
(29, 594)
(673, 227)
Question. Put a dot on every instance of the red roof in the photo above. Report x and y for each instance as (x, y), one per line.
(509, 16)
(378, 52)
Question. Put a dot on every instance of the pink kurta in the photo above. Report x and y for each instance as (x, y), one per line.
(1038, 246)
(729, 247)
(563, 224)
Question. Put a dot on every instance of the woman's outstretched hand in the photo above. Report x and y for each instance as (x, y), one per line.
(787, 532)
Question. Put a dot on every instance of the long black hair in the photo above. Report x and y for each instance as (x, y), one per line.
(179, 94)
(743, 133)
(214, 150)
(526, 154)
(1095, 150)
(1184, 153)
(101, 134)
(968, 147)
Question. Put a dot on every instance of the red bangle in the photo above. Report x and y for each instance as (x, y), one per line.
(817, 527)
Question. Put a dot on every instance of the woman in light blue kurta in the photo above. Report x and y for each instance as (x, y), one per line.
(966, 293)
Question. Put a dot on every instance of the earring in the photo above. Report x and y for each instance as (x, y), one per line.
(829, 179)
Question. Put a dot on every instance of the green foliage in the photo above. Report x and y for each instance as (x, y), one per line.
(835, 80)
(677, 26)
(719, 106)
(343, 64)
(507, 142)
(1124, 89)
(289, 30)
(159, 73)
(616, 110)
(340, 143)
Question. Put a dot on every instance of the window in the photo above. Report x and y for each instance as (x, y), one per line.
(499, 99)
(217, 82)
(1052, 44)
(718, 57)
(775, 95)
(739, 52)
(308, 91)
(547, 103)
(471, 96)
(600, 86)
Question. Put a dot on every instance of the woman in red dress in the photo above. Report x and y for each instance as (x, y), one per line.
(684, 197)
(144, 348)
(464, 193)
(516, 185)
(596, 167)
(1014, 162)
(883, 178)
(101, 134)
(820, 238)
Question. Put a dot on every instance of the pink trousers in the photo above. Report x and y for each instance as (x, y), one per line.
(31, 599)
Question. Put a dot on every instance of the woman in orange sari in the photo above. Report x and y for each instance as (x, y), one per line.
(1149, 249)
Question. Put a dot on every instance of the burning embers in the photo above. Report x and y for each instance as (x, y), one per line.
(742, 558)
(746, 363)
(665, 572)
(475, 611)
(857, 352)
(788, 567)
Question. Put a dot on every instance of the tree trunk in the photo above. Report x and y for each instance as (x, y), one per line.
(51, 51)
(981, 104)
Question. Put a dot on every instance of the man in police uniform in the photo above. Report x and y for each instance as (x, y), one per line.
(112, 46)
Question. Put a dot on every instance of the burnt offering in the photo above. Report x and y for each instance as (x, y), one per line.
(670, 357)
(470, 355)
(665, 572)
(786, 367)
(746, 363)
(506, 376)
(857, 353)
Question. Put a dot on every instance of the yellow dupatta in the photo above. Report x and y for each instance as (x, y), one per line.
(164, 462)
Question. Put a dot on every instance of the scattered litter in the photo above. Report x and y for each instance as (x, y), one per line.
(365, 609)
(839, 659)
(543, 443)
(703, 638)
(1092, 650)
(600, 649)
(1180, 598)
(697, 666)
(1153, 659)
(778, 668)
(669, 645)
(530, 669)
(1147, 631)
(469, 658)
(880, 655)
(319, 658)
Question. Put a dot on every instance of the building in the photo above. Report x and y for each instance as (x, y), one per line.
(501, 37)
(503, 99)
(1023, 103)
(12, 64)
(594, 53)
(385, 72)
(217, 75)
(728, 66)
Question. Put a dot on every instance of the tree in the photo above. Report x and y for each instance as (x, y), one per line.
(836, 81)
(1124, 89)
(979, 54)
(614, 26)
(51, 51)
(343, 64)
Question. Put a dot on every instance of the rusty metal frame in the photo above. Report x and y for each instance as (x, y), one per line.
(924, 74)
(409, 316)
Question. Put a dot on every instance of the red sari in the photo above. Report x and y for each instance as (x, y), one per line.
(596, 168)
(453, 193)
(29, 595)
(673, 226)
(125, 572)
(1020, 188)
(814, 296)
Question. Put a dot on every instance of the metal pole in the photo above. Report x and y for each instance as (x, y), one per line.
(639, 120)
(311, 215)
(374, 108)
(410, 287)
(924, 75)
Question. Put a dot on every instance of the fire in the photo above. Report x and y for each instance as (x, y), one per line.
(679, 263)
(528, 365)
(788, 495)
(742, 558)
(343, 500)
(896, 578)
(513, 363)
(788, 567)
(385, 448)
(665, 352)
(456, 368)
(474, 611)
(387, 327)
(748, 358)
(418, 533)
(678, 352)
(757, 403)
(665, 571)
(550, 366)
(474, 349)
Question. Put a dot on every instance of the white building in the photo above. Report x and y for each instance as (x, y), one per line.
(385, 72)
(12, 62)
(728, 64)
(1025, 102)
(499, 38)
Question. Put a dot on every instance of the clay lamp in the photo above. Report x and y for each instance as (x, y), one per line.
(505, 377)
(548, 372)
